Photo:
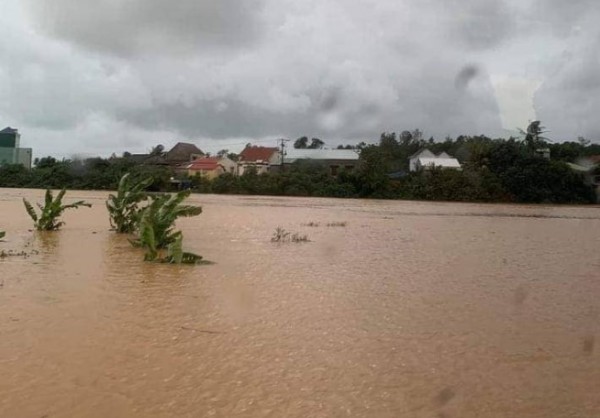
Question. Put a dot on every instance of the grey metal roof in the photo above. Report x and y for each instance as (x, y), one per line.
(292, 155)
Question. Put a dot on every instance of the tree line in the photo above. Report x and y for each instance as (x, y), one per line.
(494, 170)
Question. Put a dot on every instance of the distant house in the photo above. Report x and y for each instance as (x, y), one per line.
(181, 153)
(425, 159)
(333, 159)
(261, 159)
(10, 150)
(209, 167)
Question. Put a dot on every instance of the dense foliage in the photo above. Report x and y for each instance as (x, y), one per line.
(90, 174)
(52, 209)
(494, 170)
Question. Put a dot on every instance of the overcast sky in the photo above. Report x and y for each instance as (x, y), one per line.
(87, 77)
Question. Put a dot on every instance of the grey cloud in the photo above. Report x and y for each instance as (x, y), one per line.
(149, 26)
(569, 101)
(338, 70)
(561, 15)
(441, 110)
(479, 24)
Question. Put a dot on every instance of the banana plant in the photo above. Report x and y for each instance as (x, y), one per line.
(53, 208)
(157, 234)
(124, 209)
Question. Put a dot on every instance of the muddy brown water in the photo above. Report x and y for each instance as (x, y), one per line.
(410, 310)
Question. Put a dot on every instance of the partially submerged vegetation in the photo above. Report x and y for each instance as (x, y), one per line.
(153, 223)
(337, 224)
(124, 207)
(51, 211)
(156, 231)
(13, 253)
(281, 235)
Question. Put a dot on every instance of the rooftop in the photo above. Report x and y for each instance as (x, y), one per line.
(440, 162)
(255, 153)
(182, 152)
(320, 154)
(204, 164)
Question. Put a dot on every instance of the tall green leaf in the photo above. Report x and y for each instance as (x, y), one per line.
(30, 210)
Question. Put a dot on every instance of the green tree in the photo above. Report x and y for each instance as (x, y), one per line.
(301, 143)
(316, 143)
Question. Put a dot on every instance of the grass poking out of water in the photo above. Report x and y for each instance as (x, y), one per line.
(337, 224)
(281, 235)
(312, 224)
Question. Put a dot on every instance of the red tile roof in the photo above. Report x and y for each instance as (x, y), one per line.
(254, 153)
(204, 164)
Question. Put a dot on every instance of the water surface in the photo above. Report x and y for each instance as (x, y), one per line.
(410, 310)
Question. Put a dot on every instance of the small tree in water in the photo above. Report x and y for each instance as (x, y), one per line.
(157, 233)
(123, 209)
(47, 220)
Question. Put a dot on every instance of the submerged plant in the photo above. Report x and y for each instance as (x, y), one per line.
(53, 208)
(157, 233)
(281, 235)
(123, 209)
(312, 224)
(337, 224)
(2, 234)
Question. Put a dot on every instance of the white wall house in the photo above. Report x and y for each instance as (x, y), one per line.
(425, 159)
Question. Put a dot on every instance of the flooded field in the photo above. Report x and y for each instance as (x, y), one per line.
(409, 310)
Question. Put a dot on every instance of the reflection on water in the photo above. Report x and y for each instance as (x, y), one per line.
(411, 309)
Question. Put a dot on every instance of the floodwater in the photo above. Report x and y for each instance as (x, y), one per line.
(410, 310)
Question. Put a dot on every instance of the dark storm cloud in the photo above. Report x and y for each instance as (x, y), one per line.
(125, 27)
(465, 76)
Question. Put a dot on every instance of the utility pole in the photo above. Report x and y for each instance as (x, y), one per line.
(282, 146)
